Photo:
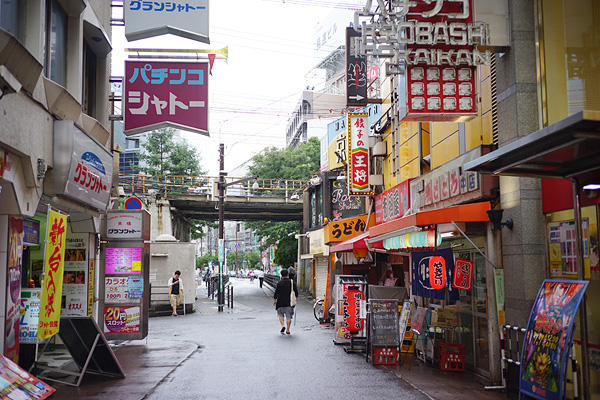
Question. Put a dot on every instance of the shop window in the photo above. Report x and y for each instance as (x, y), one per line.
(90, 64)
(11, 18)
(55, 66)
(568, 57)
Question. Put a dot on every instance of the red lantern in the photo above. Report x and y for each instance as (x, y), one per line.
(351, 307)
(437, 272)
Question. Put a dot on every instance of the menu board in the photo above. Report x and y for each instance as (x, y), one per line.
(384, 322)
(123, 260)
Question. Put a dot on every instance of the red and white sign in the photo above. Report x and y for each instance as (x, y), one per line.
(437, 272)
(463, 274)
(121, 319)
(358, 154)
(393, 203)
(440, 81)
(351, 307)
(159, 94)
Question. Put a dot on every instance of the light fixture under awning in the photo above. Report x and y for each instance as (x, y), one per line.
(355, 243)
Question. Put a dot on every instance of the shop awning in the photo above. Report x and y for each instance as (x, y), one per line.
(355, 243)
(475, 212)
(567, 149)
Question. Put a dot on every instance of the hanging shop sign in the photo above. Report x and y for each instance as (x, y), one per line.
(342, 204)
(50, 306)
(185, 18)
(358, 155)
(339, 231)
(13, 295)
(463, 274)
(422, 274)
(545, 355)
(158, 94)
(337, 153)
(356, 72)
(428, 239)
(82, 169)
(393, 203)
(437, 272)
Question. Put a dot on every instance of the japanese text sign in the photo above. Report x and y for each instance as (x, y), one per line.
(185, 18)
(124, 225)
(463, 274)
(393, 203)
(344, 229)
(159, 94)
(121, 319)
(123, 260)
(356, 73)
(116, 289)
(358, 154)
(53, 274)
(13, 288)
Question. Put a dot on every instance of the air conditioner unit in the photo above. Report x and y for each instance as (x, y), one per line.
(376, 180)
(379, 150)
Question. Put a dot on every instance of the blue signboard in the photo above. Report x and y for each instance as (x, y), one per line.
(135, 287)
(31, 232)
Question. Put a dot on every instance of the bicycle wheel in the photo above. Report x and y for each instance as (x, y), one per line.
(318, 310)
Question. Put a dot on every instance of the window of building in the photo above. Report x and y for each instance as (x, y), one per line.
(55, 66)
(90, 63)
(11, 18)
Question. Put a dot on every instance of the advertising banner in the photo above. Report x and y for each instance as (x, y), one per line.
(74, 300)
(393, 203)
(548, 339)
(13, 294)
(53, 275)
(356, 72)
(30, 313)
(116, 289)
(121, 319)
(358, 155)
(159, 94)
(463, 274)
(17, 384)
(123, 260)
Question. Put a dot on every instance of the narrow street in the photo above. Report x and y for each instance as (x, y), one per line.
(242, 355)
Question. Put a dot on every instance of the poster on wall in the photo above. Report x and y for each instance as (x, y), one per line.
(16, 384)
(13, 293)
(123, 261)
(121, 289)
(30, 314)
(548, 339)
(563, 256)
(75, 277)
(119, 319)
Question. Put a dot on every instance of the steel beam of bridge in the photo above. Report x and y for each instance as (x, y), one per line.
(201, 206)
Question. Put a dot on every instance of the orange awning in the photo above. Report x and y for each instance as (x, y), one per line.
(475, 212)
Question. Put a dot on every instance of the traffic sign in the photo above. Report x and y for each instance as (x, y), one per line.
(133, 203)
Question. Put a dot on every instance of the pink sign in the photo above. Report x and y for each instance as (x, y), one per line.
(121, 319)
(123, 261)
(159, 94)
(393, 203)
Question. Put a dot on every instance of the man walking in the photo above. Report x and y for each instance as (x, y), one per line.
(175, 291)
(282, 301)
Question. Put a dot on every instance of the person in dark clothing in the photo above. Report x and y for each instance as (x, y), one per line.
(175, 291)
(281, 301)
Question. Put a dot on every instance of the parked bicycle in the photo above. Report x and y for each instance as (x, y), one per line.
(318, 311)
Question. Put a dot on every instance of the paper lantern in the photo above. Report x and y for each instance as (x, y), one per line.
(360, 253)
(433, 240)
(437, 272)
(351, 302)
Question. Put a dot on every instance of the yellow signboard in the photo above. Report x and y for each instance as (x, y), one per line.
(56, 235)
(344, 229)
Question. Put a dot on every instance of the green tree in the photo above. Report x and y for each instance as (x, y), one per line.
(185, 160)
(286, 253)
(253, 260)
(289, 163)
(202, 262)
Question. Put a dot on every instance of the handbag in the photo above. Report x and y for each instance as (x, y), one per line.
(293, 300)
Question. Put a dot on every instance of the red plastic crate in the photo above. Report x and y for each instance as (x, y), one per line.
(452, 357)
(385, 355)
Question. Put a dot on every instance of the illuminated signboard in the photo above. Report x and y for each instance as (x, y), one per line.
(123, 261)
(358, 155)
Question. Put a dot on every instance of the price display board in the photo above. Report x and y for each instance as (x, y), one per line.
(384, 323)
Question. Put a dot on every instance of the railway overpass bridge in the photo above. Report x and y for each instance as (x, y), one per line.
(276, 200)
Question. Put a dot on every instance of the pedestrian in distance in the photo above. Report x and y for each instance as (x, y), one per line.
(284, 302)
(292, 273)
(175, 291)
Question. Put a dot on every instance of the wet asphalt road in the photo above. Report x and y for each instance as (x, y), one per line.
(242, 355)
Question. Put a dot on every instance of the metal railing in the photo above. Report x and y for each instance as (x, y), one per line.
(207, 185)
(271, 280)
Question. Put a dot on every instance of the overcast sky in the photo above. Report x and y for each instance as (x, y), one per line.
(271, 54)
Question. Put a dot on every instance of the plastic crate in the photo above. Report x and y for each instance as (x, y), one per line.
(385, 355)
(452, 357)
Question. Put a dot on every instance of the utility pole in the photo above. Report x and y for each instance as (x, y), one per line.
(221, 218)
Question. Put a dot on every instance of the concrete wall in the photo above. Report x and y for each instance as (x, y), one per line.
(523, 248)
(166, 258)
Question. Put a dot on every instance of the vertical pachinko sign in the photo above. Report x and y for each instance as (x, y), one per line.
(159, 94)
(56, 236)
(548, 339)
(13, 295)
(358, 154)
